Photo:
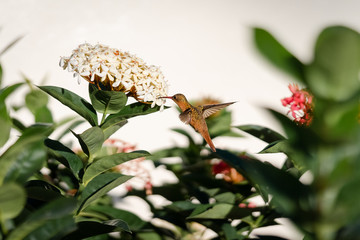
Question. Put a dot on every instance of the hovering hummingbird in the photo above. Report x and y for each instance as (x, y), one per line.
(195, 115)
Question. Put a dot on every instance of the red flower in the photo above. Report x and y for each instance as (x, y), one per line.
(300, 105)
(229, 174)
(221, 167)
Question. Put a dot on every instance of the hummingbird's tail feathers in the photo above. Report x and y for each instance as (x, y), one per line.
(213, 108)
(205, 134)
(212, 147)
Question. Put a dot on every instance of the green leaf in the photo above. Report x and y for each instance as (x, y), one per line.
(334, 73)
(86, 229)
(72, 126)
(12, 200)
(99, 186)
(91, 141)
(149, 236)
(220, 125)
(46, 220)
(5, 120)
(53, 229)
(112, 125)
(35, 100)
(108, 102)
(66, 156)
(226, 197)
(345, 207)
(105, 163)
(43, 115)
(134, 222)
(263, 133)
(277, 54)
(29, 161)
(221, 211)
(74, 102)
(277, 147)
(133, 110)
(288, 193)
(5, 123)
(1, 75)
(186, 134)
(42, 191)
(5, 92)
(230, 232)
(180, 206)
(30, 138)
(7, 47)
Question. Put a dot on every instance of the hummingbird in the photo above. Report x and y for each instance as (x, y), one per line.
(195, 115)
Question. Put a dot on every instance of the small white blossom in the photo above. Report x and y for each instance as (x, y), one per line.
(118, 71)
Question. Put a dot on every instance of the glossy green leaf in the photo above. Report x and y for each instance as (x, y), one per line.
(263, 133)
(87, 229)
(99, 186)
(5, 92)
(334, 73)
(91, 140)
(134, 222)
(74, 102)
(112, 125)
(66, 156)
(42, 191)
(50, 217)
(277, 54)
(12, 200)
(30, 137)
(288, 193)
(29, 161)
(105, 163)
(133, 110)
(108, 102)
(53, 229)
(277, 147)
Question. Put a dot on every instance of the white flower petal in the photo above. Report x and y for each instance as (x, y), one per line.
(100, 62)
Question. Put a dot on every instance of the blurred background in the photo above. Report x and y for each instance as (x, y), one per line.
(204, 48)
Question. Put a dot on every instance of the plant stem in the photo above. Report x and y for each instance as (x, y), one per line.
(103, 118)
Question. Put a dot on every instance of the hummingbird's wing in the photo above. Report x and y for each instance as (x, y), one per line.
(186, 116)
(213, 108)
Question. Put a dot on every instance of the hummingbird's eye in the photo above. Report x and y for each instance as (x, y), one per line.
(174, 97)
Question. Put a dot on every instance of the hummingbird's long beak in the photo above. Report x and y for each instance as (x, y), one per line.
(166, 97)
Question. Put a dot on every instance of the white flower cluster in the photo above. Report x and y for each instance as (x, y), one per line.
(118, 71)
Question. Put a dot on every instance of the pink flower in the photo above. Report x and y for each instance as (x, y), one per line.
(133, 167)
(247, 205)
(242, 205)
(300, 105)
